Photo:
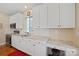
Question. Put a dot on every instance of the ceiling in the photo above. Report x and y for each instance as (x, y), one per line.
(12, 8)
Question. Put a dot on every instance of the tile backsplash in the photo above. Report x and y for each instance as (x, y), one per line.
(41, 32)
(62, 34)
(57, 34)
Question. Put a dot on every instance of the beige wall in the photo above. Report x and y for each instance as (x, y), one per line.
(56, 34)
(4, 21)
(62, 34)
(76, 38)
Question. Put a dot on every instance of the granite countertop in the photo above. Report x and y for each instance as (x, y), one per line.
(34, 37)
(49, 41)
(68, 44)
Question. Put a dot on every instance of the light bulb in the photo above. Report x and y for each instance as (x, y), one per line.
(25, 6)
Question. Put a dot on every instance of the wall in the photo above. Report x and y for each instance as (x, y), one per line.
(76, 38)
(4, 21)
(56, 34)
(41, 32)
(62, 34)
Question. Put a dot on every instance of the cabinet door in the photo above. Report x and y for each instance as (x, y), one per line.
(19, 43)
(12, 19)
(43, 16)
(67, 15)
(39, 49)
(28, 46)
(53, 15)
(36, 18)
(19, 20)
(15, 41)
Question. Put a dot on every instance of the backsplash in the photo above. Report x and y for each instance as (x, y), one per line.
(57, 34)
(41, 32)
(62, 34)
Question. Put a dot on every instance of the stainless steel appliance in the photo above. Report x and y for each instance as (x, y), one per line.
(55, 52)
(13, 26)
(8, 40)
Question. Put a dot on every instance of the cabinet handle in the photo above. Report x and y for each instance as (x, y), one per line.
(39, 42)
(38, 26)
(59, 25)
(32, 30)
(72, 51)
(29, 40)
(34, 45)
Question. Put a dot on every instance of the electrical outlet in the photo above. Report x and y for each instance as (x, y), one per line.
(77, 33)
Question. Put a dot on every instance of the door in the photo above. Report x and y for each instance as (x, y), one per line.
(43, 16)
(19, 20)
(15, 41)
(39, 49)
(67, 15)
(36, 18)
(28, 46)
(53, 15)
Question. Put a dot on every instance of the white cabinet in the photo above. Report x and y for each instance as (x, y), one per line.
(53, 15)
(18, 18)
(23, 44)
(16, 41)
(43, 16)
(61, 15)
(39, 49)
(67, 15)
(12, 20)
(34, 48)
(40, 16)
(29, 46)
(36, 18)
(13, 41)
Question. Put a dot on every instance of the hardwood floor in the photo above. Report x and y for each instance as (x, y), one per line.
(5, 50)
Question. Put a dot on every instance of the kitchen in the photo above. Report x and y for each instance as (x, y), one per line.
(41, 29)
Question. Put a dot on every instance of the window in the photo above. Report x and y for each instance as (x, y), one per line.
(29, 23)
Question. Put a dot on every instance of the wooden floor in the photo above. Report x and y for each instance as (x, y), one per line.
(5, 50)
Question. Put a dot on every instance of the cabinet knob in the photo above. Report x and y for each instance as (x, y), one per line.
(39, 42)
(72, 51)
(34, 45)
(32, 30)
(38, 26)
(59, 25)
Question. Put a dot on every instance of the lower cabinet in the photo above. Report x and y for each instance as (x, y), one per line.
(15, 41)
(39, 49)
(29, 46)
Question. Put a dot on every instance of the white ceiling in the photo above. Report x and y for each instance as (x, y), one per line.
(11, 8)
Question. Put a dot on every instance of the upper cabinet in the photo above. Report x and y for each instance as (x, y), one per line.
(40, 16)
(18, 19)
(36, 18)
(54, 15)
(67, 15)
(43, 16)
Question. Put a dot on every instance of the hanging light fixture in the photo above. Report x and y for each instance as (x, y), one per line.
(27, 10)
(25, 6)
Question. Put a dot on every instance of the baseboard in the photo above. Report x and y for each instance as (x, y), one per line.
(2, 43)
